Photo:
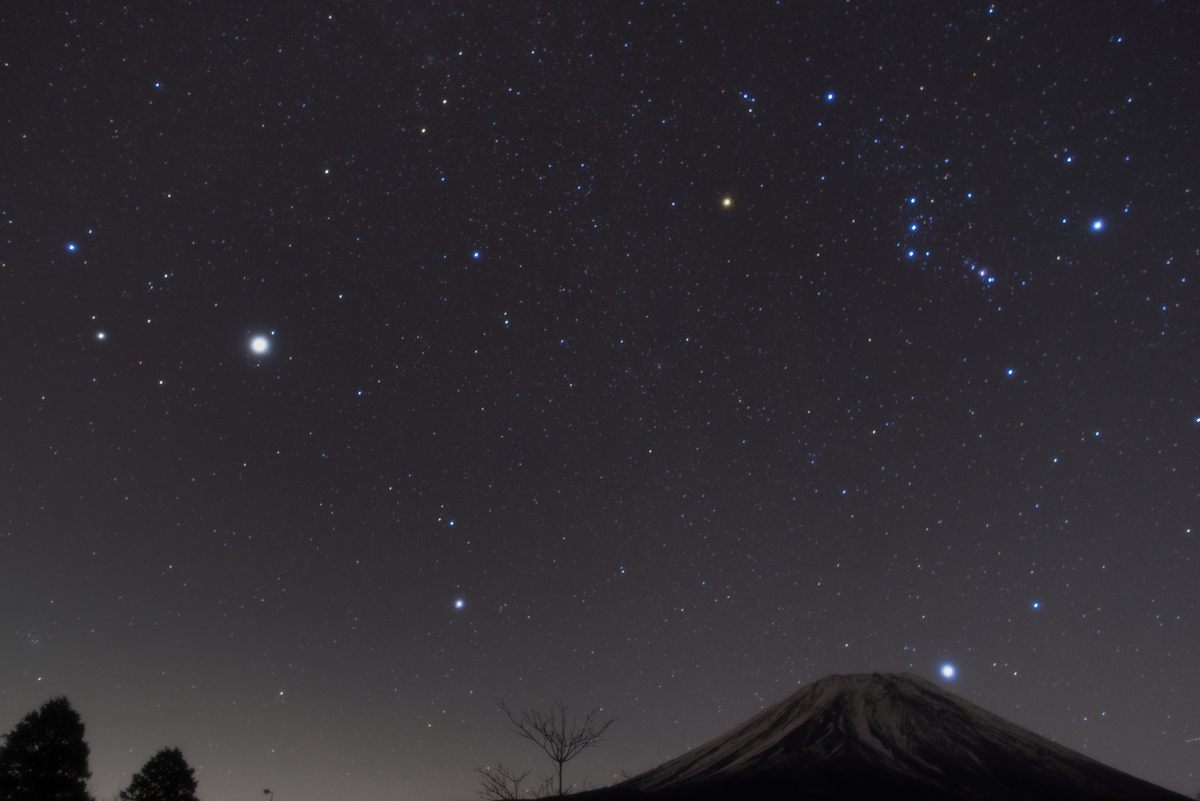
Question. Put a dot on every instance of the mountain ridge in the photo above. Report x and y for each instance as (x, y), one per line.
(882, 735)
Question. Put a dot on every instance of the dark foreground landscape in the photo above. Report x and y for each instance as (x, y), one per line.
(882, 736)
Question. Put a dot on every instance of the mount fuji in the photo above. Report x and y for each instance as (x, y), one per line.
(881, 736)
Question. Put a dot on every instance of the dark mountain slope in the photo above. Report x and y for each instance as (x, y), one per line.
(882, 736)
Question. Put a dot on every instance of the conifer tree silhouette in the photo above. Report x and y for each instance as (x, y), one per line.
(165, 777)
(44, 757)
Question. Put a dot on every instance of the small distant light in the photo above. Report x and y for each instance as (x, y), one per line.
(1036, 604)
(460, 603)
(72, 247)
(727, 202)
(948, 671)
(101, 335)
(158, 84)
(830, 96)
(452, 522)
(1010, 372)
(912, 201)
(913, 227)
(1098, 224)
(476, 255)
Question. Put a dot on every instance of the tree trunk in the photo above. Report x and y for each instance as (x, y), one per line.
(560, 778)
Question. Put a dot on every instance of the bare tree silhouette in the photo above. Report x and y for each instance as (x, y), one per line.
(545, 788)
(499, 783)
(560, 736)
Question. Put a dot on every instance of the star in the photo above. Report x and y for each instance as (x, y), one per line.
(830, 96)
(260, 345)
(72, 247)
(101, 336)
(460, 603)
(727, 202)
(1036, 605)
(948, 671)
(1098, 224)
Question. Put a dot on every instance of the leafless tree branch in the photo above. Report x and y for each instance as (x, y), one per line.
(560, 735)
(499, 783)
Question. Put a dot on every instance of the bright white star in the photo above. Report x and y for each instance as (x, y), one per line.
(949, 671)
(260, 345)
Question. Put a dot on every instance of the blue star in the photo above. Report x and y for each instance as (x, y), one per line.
(1098, 224)
(830, 96)
(1036, 604)
(912, 200)
(476, 255)
(948, 671)
(460, 603)
(1010, 372)
(912, 227)
(72, 247)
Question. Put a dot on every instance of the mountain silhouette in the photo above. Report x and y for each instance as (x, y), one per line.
(881, 736)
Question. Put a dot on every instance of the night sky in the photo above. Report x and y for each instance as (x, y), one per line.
(365, 362)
